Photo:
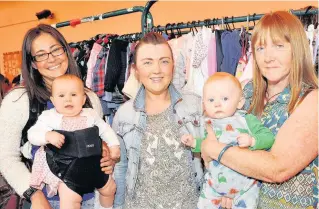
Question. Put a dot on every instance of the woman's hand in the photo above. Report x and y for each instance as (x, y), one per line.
(107, 164)
(208, 145)
(39, 201)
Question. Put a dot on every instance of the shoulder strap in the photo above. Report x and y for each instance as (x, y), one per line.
(88, 103)
(35, 109)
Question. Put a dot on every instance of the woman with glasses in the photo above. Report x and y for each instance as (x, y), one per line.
(45, 56)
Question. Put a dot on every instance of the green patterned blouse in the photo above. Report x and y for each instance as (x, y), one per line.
(299, 192)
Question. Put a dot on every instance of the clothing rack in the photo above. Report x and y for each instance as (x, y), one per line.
(146, 20)
(148, 24)
(207, 22)
(225, 21)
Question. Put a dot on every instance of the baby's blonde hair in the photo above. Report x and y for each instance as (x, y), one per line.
(223, 76)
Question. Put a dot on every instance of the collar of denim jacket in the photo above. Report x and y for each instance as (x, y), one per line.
(139, 102)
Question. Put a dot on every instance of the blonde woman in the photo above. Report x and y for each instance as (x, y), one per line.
(284, 95)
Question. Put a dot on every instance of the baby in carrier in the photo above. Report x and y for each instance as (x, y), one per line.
(69, 160)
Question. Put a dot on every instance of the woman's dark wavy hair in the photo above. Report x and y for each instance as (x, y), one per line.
(2, 81)
(33, 79)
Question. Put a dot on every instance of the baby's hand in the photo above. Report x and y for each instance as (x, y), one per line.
(188, 140)
(115, 152)
(55, 138)
(245, 140)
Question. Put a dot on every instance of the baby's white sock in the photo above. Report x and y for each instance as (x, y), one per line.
(101, 207)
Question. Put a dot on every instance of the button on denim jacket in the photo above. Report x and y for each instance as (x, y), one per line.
(130, 123)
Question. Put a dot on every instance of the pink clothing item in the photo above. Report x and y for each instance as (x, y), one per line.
(198, 72)
(91, 63)
(211, 59)
(187, 48)
(41, 174)
(248, 71)
(179, 61)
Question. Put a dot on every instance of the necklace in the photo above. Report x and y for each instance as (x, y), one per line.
(269, 98)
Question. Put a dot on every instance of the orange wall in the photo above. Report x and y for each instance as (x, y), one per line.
(163, 12)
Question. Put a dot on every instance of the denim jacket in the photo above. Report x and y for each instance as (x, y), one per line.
(130, 124)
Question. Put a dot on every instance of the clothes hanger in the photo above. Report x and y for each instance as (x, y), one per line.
(189, 25)
(254, 15)
(227, 24)
(178, 30)
(172, 36)
(214, 19)
(166, 29)
(75, 45)
(158, 30)
(193, 24)
(247, 27)
(206, 23)
(153, 29)
(198, 23)
(232, 21)
(223, 26)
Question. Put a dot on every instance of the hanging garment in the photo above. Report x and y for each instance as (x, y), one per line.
(315, 47)
(99, 73)
(211, 57)
(248, 70)
(179, 61)
(81, 58)
(187, 49)
(116, 66)
(231, 50)
(198, 72)
(132, 85)
(315, 52)
(91, 63)
(127, 71)
(200, 63)
(243, 60)
(219, 50)
(310, 36)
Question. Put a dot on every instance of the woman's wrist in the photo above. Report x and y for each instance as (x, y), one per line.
(213, 149)
(221, 153)
(218, 148)
(37, 195)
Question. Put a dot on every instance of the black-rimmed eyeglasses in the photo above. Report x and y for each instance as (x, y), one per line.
(44, 56)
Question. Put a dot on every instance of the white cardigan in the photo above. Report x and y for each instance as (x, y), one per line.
(52, 120)
(14, 114)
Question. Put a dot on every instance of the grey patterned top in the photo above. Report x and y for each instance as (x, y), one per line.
(165, 178)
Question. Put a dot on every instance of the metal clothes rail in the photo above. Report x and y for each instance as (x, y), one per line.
(224, 21)
(146, 20)
(208, 22)
(147, 23)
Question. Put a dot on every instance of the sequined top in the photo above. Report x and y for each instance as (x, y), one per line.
(301, 191)
(165, 178)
